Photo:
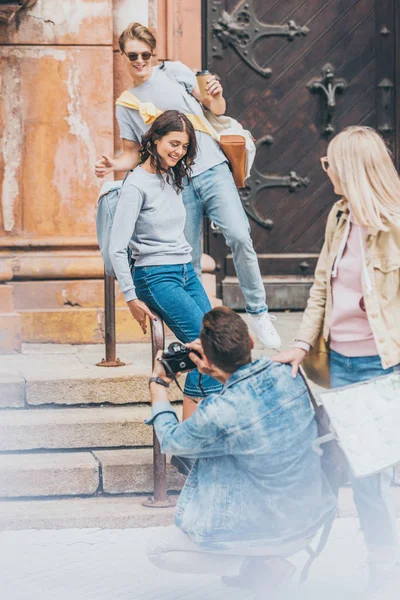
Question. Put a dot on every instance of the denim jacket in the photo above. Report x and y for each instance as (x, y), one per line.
(256, 480)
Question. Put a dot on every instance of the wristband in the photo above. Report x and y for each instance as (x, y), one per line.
(159, 381)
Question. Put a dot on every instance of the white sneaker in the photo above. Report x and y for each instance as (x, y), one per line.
(261, 326)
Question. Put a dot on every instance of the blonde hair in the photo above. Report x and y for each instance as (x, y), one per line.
(368, 178)
(136, 31)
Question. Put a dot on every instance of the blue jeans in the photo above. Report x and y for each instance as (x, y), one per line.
(371, 494)
(175, 292)
(213, 193)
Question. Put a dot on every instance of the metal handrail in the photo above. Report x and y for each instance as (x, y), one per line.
(160, 499)
(111, 359)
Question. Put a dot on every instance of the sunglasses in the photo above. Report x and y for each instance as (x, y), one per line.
(324, 163)
(132, 56)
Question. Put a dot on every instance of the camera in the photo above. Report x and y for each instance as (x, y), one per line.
(176, 358)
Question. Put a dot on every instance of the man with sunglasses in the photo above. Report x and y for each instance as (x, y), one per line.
(211, 191)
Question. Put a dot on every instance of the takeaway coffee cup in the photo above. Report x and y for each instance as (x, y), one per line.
(202, 77)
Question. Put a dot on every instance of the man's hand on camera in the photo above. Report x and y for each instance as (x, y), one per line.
(158, 368)
(159, 371)
(199, 361)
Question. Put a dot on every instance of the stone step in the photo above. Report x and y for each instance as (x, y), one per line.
(73, 428)
(131, 471)
(111, 512)
(81, 473)
(65, 375)
(78, 513)
(50, 474)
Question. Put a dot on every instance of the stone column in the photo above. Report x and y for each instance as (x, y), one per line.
(56, 113)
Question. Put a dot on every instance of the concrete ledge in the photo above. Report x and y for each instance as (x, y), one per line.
(84, 428)
(68, 375)
(105, 513)
(87, 390)
(55, 474)
(130, 471)
(12, 390)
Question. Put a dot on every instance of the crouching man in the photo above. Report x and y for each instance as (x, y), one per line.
(256, 493)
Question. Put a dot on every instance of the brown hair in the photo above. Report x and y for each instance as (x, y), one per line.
(136, 31)
(225, 339)
(170, 120)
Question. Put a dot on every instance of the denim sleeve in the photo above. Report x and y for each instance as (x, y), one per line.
(126, 214)
(158, 408)
(200, 436)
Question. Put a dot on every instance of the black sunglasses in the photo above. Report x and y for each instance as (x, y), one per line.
(132, 56)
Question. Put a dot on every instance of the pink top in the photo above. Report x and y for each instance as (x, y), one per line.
(350, 333)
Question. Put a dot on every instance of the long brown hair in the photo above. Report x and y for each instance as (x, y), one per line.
(168, 121)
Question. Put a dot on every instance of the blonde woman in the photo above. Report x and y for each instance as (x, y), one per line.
(355, 302)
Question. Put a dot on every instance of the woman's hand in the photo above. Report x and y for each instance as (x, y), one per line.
(294, 356)
(139, 311)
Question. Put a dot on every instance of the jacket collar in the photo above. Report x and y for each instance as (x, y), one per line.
(343, 206)
(247, 371)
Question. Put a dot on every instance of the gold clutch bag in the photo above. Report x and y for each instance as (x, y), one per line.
(316, 363)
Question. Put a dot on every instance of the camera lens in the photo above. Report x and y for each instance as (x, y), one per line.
(182, 364)
(175, 347)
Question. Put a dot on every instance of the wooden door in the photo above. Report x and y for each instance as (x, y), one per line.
(294, 73)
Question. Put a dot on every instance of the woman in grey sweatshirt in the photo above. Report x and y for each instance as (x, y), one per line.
(149, 222)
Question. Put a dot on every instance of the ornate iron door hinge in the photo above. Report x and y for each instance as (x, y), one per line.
(329, 85)
(385, 124)
(257, 182)
(242, 30)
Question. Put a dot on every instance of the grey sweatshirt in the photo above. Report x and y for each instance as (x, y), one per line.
(149, 219)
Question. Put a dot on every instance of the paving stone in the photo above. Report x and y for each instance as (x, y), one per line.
(12, 390)
(102, 427)
(52, 474)
(103, 512)
(126, 471)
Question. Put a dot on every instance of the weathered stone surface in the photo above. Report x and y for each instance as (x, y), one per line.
(54, 103)
(75, 428)
(50, 474)
(128, 11)
(83, 390)
(10, 333)
(62, 22)
(6, 299)
(12, 390)
(129, 471)
(82, 293)
(74, 513)
(77, 326)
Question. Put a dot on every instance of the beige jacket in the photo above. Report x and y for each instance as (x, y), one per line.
(382, 303)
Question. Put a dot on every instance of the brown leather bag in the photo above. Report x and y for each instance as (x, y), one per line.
(234, 148)
(316, 363)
